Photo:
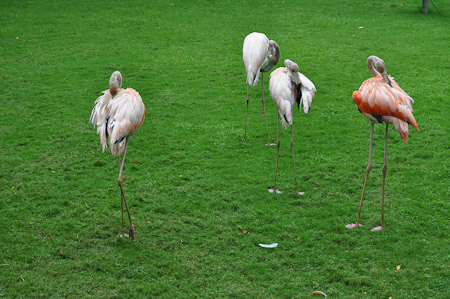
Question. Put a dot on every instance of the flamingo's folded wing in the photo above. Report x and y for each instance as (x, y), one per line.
(307, 88)
(378, 98)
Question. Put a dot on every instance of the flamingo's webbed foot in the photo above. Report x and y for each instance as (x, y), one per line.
(271, 190)
(352, 225)
(377, 228)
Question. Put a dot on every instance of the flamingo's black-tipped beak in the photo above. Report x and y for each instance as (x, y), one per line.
(386, 77)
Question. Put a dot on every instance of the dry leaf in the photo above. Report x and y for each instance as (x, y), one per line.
(245, 231)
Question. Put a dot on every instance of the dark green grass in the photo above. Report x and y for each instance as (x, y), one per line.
(192, 184)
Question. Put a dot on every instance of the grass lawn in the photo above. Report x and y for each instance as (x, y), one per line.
(197, 192)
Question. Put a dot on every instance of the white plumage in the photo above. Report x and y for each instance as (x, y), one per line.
(288, 86)
(118, 114)
(256, 52)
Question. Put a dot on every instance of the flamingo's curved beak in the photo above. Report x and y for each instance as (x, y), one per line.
(386, 77)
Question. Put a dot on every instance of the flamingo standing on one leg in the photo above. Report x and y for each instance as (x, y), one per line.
(380, 99)
(118, 114)
(288, 86)
(257, 50)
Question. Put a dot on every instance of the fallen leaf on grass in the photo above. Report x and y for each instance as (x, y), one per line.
(245, 231)
(320, 292)
(273, 245)
(398, 267)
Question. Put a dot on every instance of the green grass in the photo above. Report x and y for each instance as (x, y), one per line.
(192, 184)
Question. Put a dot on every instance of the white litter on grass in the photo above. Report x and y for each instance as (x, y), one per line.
(273, 245)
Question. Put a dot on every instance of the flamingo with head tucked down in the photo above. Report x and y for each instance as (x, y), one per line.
(381, 99)
(289, 87)
(256, 52)
(118, 114)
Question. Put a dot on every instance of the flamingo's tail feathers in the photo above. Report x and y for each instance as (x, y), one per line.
(415, 124)
(102, 133)
(252, 78)
(117, 148)
(409, 118)
(402, 128)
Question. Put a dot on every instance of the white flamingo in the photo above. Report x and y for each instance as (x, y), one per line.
(256, 52)
(118, 114)
(287, 87)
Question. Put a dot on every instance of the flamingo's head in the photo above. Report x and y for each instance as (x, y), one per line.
(381, 68)
(115, 82)
(273, 56)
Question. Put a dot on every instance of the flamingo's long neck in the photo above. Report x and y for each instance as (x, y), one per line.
(372, 70)
(274, 57)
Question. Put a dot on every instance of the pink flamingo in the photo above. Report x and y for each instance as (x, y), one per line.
(381, 99)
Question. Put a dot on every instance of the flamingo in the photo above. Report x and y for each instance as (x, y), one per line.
(256, 52)
(381, 99)
(118, 114)
(288, 86)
